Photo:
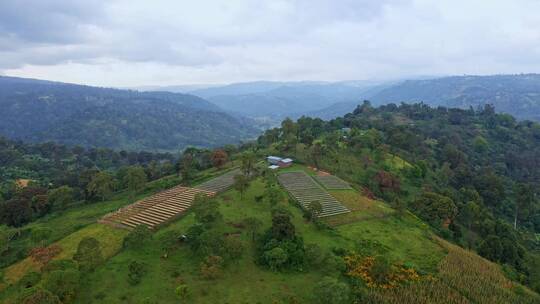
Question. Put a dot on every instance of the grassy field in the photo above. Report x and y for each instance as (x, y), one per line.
(244, 282)
(362, 208)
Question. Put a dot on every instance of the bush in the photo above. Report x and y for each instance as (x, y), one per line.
(30, 279)
(212, 267)
(39, 296)
(182, 291)
(136, 271)
(88, 254)
(137, 237)
(275, 258)
(168, 240)
(314, 255)
(330, 290)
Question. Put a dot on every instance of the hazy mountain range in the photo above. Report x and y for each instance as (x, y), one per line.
(38, 110)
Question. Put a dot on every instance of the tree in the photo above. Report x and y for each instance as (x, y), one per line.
(435, 208)
(219, 158)
(525, 199)
(61, 197)
(88, 254)
(136, 271)
(134, 179)
(188, 168)
(248, 163)
(101, 185)
(206, 209)
(212, 267)
(272, 195)
(316, 154)
(315, 208)
(241, 183)
(253, 225)
(16, 212)
(137, 237)
(282, 227)
(330, 290)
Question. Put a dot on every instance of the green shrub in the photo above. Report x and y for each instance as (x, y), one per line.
(330, 290)
(137, 237)
(88, 254)
(38, 296)
(136, 270)
(30, 279)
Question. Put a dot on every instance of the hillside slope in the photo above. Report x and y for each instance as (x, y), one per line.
(518, 95)
(40, 111)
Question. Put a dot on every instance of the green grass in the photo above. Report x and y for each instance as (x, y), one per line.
(246, 282)
(362, 208)
(408, 240)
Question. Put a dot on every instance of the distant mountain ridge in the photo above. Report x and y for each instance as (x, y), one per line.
(518, 95)
(39, 110)
(281, 99)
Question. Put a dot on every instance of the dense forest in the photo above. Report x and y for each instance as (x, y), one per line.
(39, 111)
(472, 174)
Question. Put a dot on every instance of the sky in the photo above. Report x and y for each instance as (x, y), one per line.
(129, 43)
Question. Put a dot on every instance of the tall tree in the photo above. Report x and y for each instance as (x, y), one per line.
(219, 158)
(241, 183)
(134, 179)
(101, 185)
(248, 162)
(61, 197)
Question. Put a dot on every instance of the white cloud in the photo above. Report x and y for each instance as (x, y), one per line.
(127, 43)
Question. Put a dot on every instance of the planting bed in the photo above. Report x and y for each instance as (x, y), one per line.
(220, 183)
(156, 209)
(332, 182)
(305, 190)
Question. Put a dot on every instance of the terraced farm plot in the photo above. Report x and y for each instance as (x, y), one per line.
(220, 183)
(156, 209)
(305, 190)
(332, 182)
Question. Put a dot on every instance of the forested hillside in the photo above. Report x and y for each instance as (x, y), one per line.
(39, 111)
(518, 95)
(473, 175)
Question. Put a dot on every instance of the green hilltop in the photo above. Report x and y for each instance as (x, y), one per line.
(433, 198)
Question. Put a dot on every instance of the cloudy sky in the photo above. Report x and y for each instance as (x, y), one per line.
(161, 42)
